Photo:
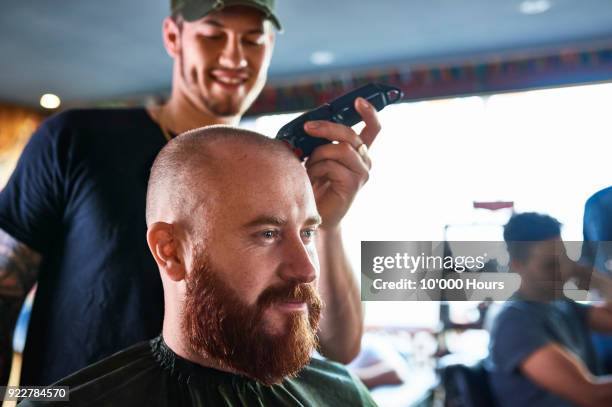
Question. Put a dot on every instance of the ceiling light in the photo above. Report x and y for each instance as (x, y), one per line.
(50, 101)
(531, 7)
(321, 58)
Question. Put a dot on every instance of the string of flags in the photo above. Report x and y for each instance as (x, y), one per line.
(426, 82)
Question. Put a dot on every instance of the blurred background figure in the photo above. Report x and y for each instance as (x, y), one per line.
(597, 254)
(541, 348)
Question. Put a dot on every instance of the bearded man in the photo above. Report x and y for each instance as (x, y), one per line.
(232, 224)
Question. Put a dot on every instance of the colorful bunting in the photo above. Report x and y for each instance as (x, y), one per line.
(417, 82)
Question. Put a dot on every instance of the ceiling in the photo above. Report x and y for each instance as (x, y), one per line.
(87, 51)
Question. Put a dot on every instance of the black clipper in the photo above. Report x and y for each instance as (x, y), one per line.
(340, 110)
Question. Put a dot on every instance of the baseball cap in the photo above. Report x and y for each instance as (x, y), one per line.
(193, 10)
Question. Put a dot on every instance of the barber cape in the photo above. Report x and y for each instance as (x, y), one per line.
(151, 374)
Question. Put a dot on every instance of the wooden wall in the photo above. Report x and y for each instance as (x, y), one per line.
(16, 126)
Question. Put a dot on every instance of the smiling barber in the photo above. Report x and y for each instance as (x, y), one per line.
(72, 216)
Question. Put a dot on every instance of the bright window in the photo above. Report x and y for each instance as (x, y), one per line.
(546, 150)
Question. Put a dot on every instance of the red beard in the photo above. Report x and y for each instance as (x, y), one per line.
(217, 324)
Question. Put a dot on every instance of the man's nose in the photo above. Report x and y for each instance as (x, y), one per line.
(232, 55)
(300, 263)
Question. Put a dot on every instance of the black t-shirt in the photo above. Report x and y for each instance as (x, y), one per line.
(77, 196)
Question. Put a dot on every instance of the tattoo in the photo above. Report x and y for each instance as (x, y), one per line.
(18, 267)
(18, 273)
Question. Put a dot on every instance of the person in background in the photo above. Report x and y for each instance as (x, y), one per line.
(541, 349)
(597, 254)
(232, 224)
(72, 214)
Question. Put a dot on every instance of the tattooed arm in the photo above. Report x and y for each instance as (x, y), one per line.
(18, 273)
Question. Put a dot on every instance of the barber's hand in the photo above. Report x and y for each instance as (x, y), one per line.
(338, 171)
(581, 274)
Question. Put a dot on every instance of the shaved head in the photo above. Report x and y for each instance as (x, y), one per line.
(232, 220)
(192, 168)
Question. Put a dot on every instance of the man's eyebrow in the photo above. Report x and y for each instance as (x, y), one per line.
(265, 220)
(314, 220)
(210, 21)
(277, 221)
(218, 24)
(259, 31)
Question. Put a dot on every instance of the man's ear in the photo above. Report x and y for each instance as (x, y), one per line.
(271, 38)
(165, 249)
(272, 35)
(171, 34)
